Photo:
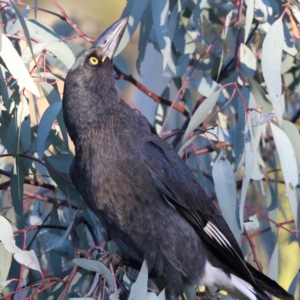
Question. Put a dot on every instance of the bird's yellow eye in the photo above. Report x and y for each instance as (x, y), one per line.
(93, 60)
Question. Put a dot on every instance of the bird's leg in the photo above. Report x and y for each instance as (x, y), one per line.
(108, 258)
(174, 286)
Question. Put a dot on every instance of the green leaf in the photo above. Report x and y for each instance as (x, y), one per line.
(16, 186)
(58, 49)
(24, 26)
(46, 123)
(49, 239)
(10, 142)
(162, 295)
(3, 284)
(61, 162)
(160, 10)
(42, 32)
(62, 52)
(98, 267)
(226, 192)
(199, 7)
(288, 166)
(287, 158)
(259, 95)
(29, 54)
(4, 88)
(139, 288)
(16, 66)
(201, 113)
(5, 262)
(186, 144)
(249, 18)
(206, 86)
(248, 169)
(145, 28)
(151, 296)
(248, 61)
(189, 291)
(23, 121)
(135, 12)
(238, 140)
(60, 242)
(293, 134)
(52, 96)
(271, 65)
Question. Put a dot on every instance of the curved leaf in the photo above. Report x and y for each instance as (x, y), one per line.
(248, 169)
(287, 158)
(139, 288)
(16, 66)
(201, 113)
(46, 123)
(98, 267)
(271, 65)
(226, 193)
(249, 18)
(61, 162)
(26, 258)
(5, 262)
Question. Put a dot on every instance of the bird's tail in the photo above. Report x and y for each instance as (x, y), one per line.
(268, 285)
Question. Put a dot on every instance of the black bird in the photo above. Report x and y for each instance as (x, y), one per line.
(142, 191)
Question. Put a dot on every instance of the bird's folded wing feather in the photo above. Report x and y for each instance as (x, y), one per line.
(180, 188)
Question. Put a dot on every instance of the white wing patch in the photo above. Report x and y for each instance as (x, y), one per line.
(237, 287)
(216, 234)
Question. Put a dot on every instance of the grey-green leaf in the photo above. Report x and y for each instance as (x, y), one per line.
(49, 239)
(46, 123)
(96, 266)
(271, 65)
(249, 18)
(201, 113)
(139, 288)
(61, 162)
(226, 192)
(23, 24)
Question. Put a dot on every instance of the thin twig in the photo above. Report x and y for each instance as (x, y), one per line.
(69, 281)
(122, 76)
(252, 246)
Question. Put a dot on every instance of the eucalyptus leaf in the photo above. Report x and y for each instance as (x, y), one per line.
(16, 66)
(249, 162)
(287, 158)
(49, 239)
(271, 65)
(201, 113)
(249, 18)
(46, 123)
(139, 288)
(61, 162)
(96, 266)
(226, 192)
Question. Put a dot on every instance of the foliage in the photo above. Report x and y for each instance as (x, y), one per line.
(235, 69)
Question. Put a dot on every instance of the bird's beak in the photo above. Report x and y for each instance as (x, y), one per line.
(109, 40)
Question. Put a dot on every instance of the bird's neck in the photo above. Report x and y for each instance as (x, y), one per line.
(86, 113)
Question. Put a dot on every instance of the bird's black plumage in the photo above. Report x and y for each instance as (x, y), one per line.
(142, 191)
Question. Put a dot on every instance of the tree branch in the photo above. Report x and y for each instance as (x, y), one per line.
(122, 76)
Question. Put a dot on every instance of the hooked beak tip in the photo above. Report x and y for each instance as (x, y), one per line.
(111, 37)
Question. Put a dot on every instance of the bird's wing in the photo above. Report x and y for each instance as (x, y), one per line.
(180, 188)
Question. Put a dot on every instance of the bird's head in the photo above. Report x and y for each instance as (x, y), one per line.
(96, 62)
(90, 86)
